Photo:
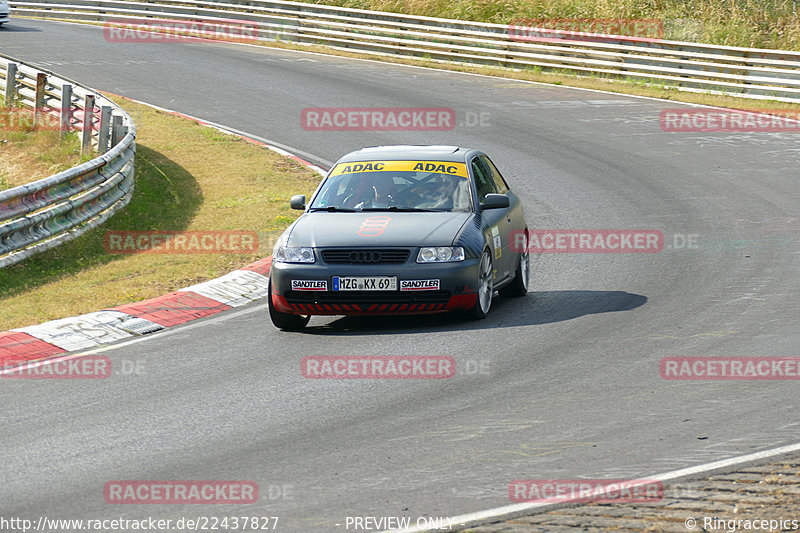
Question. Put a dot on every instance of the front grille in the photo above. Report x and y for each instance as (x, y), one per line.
(367, 302)
(365, 256)
(371, 297)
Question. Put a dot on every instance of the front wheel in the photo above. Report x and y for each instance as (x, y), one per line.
(485, 288)
(285, 321)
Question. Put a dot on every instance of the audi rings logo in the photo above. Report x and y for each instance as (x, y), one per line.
(365, 257)
(373, 226)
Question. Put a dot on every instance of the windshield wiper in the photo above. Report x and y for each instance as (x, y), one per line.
(333, 208)
(400, 209)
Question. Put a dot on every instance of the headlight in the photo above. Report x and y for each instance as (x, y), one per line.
(440, 254)
(293, 254)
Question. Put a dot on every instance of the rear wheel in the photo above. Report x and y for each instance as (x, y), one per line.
(519, 287)
(485, 287)
(285, 321)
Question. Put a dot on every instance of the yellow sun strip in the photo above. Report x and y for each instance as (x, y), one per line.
(442, 167)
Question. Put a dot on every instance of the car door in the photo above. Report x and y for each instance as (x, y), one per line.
(494, 220)
(515, 217)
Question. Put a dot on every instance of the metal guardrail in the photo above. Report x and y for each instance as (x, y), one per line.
(749, 72)
(48, 212)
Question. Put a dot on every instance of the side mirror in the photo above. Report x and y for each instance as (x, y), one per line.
(495, 201)
(298, 201)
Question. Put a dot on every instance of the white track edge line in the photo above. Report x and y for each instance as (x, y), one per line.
(511, 511)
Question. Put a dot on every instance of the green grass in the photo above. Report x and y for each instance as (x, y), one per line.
(27, 155)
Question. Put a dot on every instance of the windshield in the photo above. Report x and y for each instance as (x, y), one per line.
(395, 185)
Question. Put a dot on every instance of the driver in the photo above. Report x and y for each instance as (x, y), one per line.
(378, 194)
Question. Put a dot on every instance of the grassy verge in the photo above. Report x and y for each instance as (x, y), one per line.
(28, 155)
(188, 178)
(753, 23)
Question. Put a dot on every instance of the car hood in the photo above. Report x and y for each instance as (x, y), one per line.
(364, 229)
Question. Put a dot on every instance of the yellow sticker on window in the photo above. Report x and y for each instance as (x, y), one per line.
(441, 167)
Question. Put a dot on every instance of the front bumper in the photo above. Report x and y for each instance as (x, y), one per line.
(457, 289)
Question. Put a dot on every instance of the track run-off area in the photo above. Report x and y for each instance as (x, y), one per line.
(562, 384)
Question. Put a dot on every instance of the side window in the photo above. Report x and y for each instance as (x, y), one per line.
(483, 181)
(497, 178)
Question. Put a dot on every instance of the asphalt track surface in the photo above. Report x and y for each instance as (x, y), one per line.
(570, 384)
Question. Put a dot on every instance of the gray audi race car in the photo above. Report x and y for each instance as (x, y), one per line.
(401, 230)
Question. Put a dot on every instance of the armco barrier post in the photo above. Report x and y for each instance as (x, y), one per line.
(66, 109)
(38, 101)
(117, 132)
(11, 84)
(105, 125)
(88, 117)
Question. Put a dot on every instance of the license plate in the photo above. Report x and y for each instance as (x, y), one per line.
(371, 283)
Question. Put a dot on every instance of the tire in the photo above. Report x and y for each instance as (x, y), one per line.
(285, 321)
(519, 287)
(483, 302)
